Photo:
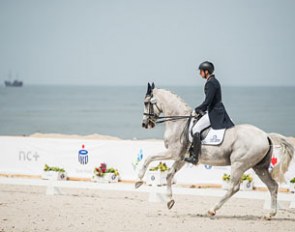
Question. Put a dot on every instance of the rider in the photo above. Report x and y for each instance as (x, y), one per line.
(212, 111)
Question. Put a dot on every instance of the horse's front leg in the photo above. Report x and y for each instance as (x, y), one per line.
(166, 155)
(175, 168)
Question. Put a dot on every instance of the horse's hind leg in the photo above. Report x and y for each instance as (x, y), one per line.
(272, 186)
(234, 186)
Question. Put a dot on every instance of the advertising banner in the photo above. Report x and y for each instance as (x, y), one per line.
(28, 156)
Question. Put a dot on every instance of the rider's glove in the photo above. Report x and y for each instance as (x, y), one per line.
(194, 114)
(199, 112)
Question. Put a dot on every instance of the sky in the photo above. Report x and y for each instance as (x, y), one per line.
(131, 42)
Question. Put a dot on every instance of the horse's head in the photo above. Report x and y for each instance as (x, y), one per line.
(151, 108)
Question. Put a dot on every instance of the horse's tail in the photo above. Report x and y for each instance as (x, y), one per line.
(286, 156)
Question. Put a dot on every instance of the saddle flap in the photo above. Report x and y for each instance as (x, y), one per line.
(214, 137)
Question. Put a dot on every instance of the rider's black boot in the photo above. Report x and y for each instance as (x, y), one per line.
(195, 150)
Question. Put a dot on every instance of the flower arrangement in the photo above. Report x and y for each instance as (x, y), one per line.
(226, 177)
(157, 175)
(246, 182)
(247, 177)
(102, 170)
(55, 169)
(53, 173)
(162, 167)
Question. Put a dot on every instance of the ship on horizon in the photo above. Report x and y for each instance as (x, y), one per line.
(14, 83)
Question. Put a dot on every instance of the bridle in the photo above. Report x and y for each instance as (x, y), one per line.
(154, 118)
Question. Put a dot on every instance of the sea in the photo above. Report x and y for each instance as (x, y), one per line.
(118, 110)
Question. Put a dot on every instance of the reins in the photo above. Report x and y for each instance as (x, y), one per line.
(168, 118)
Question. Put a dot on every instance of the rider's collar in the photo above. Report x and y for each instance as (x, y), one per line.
(211, 76)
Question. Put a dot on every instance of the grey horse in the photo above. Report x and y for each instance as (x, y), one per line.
(244, 147)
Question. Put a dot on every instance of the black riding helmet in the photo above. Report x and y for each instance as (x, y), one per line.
(207, 66)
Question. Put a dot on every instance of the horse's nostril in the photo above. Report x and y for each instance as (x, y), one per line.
(144, 125)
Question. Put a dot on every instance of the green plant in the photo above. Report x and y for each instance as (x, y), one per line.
(292, 180)
(162, 167)
(112, 170)
(247, 177)
(102, 170)
(226, 177)
(55, 169)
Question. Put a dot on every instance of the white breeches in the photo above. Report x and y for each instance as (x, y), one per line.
(203, 123)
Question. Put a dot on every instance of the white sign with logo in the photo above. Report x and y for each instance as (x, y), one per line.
(24, 155)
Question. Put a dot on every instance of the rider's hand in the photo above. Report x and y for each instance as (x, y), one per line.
(199, 112)
(194, 114)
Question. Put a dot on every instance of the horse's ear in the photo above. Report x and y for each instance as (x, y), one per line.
(153, 85)
(149, 89)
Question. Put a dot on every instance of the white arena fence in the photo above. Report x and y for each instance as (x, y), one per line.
(79, 157)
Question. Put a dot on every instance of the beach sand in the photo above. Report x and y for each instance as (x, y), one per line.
(28, 208)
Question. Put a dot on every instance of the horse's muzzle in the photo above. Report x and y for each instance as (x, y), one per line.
(148, 124)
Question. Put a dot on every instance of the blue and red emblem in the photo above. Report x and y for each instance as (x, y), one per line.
(83, 156)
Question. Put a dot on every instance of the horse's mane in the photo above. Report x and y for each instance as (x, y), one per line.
(188, 108)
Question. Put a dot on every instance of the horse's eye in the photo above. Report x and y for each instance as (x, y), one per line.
(153, 100)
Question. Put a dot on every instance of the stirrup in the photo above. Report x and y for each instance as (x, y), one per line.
(192, 160)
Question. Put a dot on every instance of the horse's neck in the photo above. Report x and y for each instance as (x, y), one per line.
(172, 105)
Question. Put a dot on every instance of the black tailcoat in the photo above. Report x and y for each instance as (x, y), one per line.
(219, 119)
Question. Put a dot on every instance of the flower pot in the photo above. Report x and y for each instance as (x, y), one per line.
(156, 178)
(106, 178)
(111, 178)
(246, 185)
(52, 175)
(292, 187)
(98, 179)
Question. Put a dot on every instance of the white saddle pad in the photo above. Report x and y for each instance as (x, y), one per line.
(214, 137)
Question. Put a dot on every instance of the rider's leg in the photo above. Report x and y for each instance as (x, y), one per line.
(203, 123)
(195, 150)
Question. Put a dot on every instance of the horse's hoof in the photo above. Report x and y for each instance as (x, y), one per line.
(267, 217)
(170, 204)
(211, 213)
(138, 184)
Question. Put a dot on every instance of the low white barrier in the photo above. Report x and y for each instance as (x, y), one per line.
(25, 155)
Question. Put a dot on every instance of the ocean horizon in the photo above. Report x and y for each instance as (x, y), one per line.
(117, 110)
